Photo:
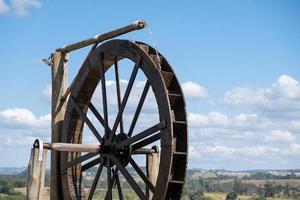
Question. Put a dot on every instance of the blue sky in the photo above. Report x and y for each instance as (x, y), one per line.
(238, 62)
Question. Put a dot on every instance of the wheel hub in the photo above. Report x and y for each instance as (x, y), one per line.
(123, 154)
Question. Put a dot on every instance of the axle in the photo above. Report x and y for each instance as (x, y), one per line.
(91, 148)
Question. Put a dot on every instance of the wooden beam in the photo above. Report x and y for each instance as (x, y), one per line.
(152, 167)
(36, 177)
(91, 148)
(59, 83)
(140, 24)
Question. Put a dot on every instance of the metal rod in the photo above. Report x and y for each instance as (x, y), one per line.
(140, 24)
(92, 148)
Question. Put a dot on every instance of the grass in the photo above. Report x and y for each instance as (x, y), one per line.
(219, 196)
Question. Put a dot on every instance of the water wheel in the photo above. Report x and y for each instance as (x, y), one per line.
(117, 147)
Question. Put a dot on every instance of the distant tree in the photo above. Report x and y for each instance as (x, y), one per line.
(198, 195)
(231, 196)
(269, 189)
(286, 190)
(19, 184)
(239, 187)
(260, 191)
(6, 188)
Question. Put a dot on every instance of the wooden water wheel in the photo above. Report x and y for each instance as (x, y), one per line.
(118, 147)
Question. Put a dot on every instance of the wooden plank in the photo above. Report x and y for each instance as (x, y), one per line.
(36, 176)
(59, 85)
(152, 167)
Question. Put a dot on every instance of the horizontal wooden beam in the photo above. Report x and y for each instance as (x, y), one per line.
(140, 24)
(92, 148)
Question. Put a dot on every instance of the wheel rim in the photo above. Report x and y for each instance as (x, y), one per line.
(171, 130)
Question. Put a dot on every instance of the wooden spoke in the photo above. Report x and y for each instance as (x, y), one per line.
(141, 174)
(95, 182)
(104, 97)
(139, 108)
(146, 141)
(80, 159)
(86, 120)
(120, 192)
(128, 177)
(108, 195)
(118, 93)
(142, 135)
(125, 98)
(109, 181)
(91, 164)
(97, 115)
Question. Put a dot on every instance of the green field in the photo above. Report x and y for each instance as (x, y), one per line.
(221, 196)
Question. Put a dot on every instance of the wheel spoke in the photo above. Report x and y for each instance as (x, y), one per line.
(80, 159)
(125, 98)
(91, 164)
(108, 194)
(86, 120)
(147, 141)
(104, 97)
(95, 182)
(142, 175)
(139, 108)
(119, 187)
(118, 93)
(128, 177)
(142, 135)
(97, 115)
(109, 181)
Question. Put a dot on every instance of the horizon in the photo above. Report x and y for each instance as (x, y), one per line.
(238, 64)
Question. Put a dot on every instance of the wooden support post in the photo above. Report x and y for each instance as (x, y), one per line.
(152, 165)
(59, 85)
(36, 178)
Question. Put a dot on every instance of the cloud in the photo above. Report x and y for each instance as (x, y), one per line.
(295, 148)
(18, 118)
(21, 6)
(280, 136)
(47, 93)
(212, 119)
(4, 7)
(193, 90)
(281, 99)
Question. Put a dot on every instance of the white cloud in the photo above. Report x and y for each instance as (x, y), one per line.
(193, 90)
(280, 136)
(212, 119)
(286, 87)
(47, 92)
(18, 118)
(4, 7)
(295, 124)
(281, 99)
(295, 148)
(21, 6)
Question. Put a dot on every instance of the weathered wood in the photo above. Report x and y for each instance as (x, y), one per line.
(140, 24)
(36, 178)
(152, 167)
(92, 148)
(59, 83)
